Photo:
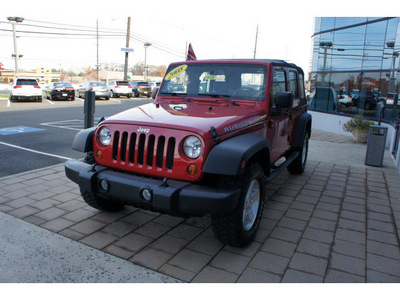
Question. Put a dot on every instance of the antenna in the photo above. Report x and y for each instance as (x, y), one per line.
(255, 46)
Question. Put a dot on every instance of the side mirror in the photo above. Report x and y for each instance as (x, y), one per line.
(154, 93)
(284, 99)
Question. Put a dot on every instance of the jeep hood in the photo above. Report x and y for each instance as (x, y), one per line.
(190, 116)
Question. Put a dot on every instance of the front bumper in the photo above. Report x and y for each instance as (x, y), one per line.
(174, 197)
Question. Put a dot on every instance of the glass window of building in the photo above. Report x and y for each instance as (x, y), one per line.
(355, 65)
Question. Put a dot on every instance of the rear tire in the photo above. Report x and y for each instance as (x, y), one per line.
(299, 164)
(239, 227)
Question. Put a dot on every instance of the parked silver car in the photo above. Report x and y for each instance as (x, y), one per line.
(100, 88)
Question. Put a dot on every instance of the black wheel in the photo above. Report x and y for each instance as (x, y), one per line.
(240, 226)
(112, 94)
(11, 99)
(299, 164)
(100, 203)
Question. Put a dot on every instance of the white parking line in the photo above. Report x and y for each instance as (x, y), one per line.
(34, 151)
(69, 124)
(8, 103)
(52, 103)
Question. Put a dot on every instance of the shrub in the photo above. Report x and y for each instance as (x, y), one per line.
(357, 123)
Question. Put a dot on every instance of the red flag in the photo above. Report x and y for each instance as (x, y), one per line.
(190, 53)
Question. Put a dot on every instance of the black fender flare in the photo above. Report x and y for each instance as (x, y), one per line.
(226, 157)
(303, 126)
(83, 140)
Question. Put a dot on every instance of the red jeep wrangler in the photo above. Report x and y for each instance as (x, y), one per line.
(209, 147)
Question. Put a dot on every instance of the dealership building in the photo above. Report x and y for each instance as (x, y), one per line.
(355, 71)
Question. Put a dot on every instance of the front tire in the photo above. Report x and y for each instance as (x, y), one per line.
(100, 203)
(239, 228)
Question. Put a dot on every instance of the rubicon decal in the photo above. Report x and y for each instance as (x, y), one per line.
(175, 72)
(242, 124)
(143, 130)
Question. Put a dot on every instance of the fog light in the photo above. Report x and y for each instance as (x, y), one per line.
(104, 185)
(146, 195)
(192, 170)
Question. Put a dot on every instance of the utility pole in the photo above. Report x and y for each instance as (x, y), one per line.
(97, 36)
(128, 32)
(255, 46)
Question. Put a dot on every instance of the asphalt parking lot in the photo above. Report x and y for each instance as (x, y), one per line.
(337, 222)
(5, 104)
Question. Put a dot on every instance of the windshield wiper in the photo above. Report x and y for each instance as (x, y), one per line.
(179, 95)
(221, 96)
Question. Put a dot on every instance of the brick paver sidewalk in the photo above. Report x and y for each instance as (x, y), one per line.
(332, 224)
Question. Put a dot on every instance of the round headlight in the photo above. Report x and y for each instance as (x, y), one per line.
(105, 136)
(192, 147)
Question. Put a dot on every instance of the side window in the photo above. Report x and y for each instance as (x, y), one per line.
(294, 88)
(303, 100)
(293, 84)
(278, 83)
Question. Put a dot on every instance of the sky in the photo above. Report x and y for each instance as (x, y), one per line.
(215, 28)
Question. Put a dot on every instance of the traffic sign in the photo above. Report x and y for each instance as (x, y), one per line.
(127, 49)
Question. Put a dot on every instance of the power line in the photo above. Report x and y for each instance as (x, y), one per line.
(162, 47)
(57, 33)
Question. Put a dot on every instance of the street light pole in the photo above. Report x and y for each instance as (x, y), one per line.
(325, 46)
(97, 39)
(14, 21)
(145, 60)
(392, 80)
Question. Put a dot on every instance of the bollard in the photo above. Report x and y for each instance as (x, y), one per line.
(89, 109)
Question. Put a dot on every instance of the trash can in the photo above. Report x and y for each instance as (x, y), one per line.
(376, 146)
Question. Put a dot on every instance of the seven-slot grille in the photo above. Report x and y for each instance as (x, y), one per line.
(143, 149)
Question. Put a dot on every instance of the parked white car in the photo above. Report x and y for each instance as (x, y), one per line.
(344, 97)
(390, 99)
(119, 88)
(25, 89)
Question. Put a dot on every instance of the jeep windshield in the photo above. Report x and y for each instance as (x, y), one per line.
(236, 81)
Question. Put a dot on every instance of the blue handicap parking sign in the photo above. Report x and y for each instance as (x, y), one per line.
(18, 130)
